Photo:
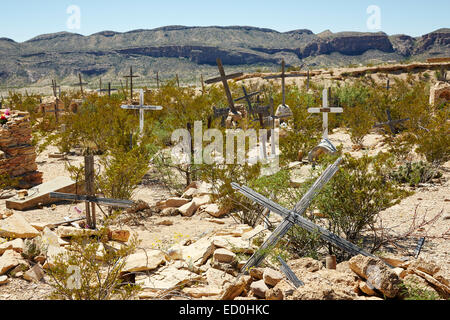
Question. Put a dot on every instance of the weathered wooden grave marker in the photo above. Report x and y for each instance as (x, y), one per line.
(391, 123)
(224, 79)
(109, 89)
(90, 199)
(247, 97)
(81, 84)
(283, 110)
(295, 217)
(419, 247)
(222, 113)
(56, 110)
(131, 76)
(157, 79)
(325, 110)
(292, 277)
(141, 107)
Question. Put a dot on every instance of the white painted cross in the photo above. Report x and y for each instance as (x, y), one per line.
(141, 107)
(325, 110)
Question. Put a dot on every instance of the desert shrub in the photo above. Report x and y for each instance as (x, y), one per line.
(413, 173)
(123, 171)
(90, 269)
(416, 291)
(349, 203)
(357, 193)
(7, 182)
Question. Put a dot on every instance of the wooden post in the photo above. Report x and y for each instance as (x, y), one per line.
(224, 79)
(157, 79)
(178, 80)
(109, 89)
(330, 262)
(203, 84)
(90, 190)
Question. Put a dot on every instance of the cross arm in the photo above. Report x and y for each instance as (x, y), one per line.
(131, 107)
(104, 201)
(228, 77)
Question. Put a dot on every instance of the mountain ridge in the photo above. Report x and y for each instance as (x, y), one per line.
(188, 50)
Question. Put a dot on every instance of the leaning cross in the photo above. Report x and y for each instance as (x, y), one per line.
(224, 78)
(325, 110)
(141, 107)
(391, 123)
(247, 97)
(295, 217)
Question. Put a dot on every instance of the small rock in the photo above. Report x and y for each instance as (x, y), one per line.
(16, 245)
(69, 232)
(16, 226)
(224, 256)
(379, 275)
(259, 289)
(119, 235)
(424, 266)
(256, 273)
(175, 252)
(234, 289)
(165, 223)
(274, 294)
(400, 272)
(367, 288)
(188, 209)
(272, 277)
(34, 274)
(4, 280)
(169, 212)
(214, 210)
(10, 259)
(143, 261)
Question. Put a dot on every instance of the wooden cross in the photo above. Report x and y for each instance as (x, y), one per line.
(391, 123)
(325, 110)
(295, 217)
(55, 110)
(224, 78)
(203, 84)
(141, 107)
(157, 79)
(80, 83)
(107, 90)
(131, 76)
(90, 198)
(247, 98)
(221, 112)
(283, 77)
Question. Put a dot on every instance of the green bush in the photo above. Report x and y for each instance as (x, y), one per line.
(413, 173)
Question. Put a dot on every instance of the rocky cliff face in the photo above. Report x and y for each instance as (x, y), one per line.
(63, 54)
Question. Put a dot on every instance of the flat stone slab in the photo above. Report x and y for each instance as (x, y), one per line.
(41, 194)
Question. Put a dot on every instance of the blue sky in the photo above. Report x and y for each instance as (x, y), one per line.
(22, 20)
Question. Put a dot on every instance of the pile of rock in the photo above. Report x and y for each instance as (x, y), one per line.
(209, 269)
(197, 197)
(17, 155)
(49, 104)
(27, 249)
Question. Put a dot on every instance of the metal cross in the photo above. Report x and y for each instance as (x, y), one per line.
(131, 76)
(295, 217)
(325, 110)
(141, 107)
(224, 78)
(391, 123)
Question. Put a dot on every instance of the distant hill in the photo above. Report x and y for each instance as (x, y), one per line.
(189, 51)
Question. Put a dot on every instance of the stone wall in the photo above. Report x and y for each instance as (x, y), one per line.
(439, 93)
(17, 155)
